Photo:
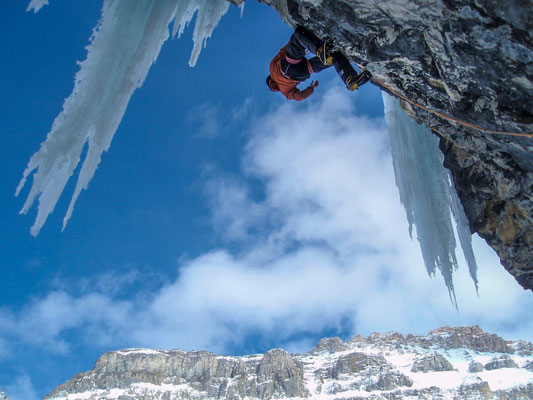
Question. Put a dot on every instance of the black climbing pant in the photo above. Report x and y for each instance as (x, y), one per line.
(298, 67)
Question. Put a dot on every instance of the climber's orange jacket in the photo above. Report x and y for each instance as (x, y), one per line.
(287, 86)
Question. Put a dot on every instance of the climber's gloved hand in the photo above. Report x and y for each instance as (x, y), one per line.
(313, 84)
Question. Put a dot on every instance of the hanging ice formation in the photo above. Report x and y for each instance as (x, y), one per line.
(428, 195)
(133, 32)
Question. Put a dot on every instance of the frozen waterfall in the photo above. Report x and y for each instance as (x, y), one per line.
(428, 195)
(133, 32)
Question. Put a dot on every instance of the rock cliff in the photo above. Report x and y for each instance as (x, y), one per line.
(470, 60)
(457, 363)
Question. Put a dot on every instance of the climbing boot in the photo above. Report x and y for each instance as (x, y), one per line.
(324, 51)
(353, 82)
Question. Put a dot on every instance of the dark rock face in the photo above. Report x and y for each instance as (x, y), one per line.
(471, 60)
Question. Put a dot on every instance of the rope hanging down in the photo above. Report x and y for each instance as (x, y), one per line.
(380, 83)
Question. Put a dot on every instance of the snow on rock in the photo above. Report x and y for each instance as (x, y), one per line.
(378, 367)
(124, 45)
(428, 195)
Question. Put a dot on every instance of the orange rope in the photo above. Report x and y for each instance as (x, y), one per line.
(447, 116)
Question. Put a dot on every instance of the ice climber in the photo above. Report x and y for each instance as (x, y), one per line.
(290, 67)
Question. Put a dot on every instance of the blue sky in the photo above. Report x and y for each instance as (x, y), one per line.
(222, 218)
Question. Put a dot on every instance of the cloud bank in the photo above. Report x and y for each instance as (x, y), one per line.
(313, 241)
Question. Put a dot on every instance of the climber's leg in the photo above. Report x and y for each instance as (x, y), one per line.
(353, 83)
(300, 41)
(347, 73)
(343, 66)
(296, 65)
(315, 65)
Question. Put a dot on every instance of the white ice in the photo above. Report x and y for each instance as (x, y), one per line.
(36, 5)
(428, 195)
(124, 45)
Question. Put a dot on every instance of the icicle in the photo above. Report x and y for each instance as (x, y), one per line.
(463, 232)
(427, 195)
(209, 14)
(36, 5)
(133, 32)
(184, 15)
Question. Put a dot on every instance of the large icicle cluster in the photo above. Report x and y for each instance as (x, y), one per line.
(428, 195)
(125, 43)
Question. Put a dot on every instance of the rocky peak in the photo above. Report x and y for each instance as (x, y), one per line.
(432, 362)
(447, 337)
(329, 346)
(279, 374)
(378, 367)
(472, 337)
(471, 61)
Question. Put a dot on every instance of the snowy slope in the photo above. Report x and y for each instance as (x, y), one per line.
(448, 363)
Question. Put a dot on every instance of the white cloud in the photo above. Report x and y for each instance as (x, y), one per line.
(44, 322)
(329, 248)
(235, 216)
(204, 120)
(22, 389)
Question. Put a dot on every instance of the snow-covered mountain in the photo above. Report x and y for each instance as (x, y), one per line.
(448, 363)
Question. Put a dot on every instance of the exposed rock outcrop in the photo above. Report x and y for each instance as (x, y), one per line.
(269, 376)
(471, 60)
(502, 362)
(478, 391)
(449, 338)
(475, 366)
(329, 345)
(432, 363)
(521, 393)
(472, 337)
(378, 367)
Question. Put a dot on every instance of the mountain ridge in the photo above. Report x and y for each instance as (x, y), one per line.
(449, 362)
